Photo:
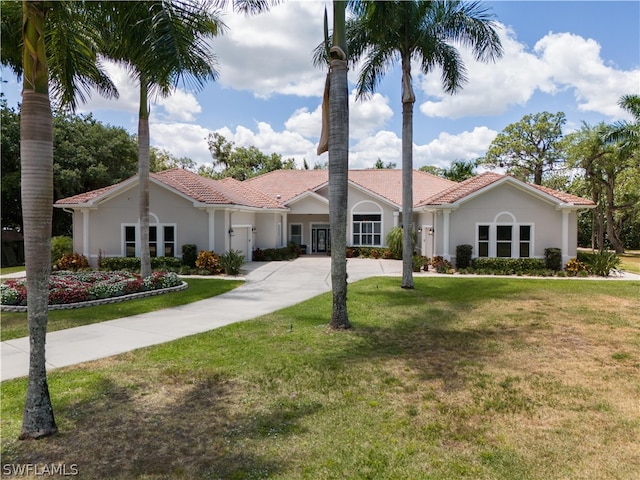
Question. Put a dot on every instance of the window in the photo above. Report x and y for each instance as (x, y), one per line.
(525, 241)
(169, 241)
(162, 240)
(129, 241)
(295, 234)
(505, 241)
(153, 241)
(367, 229)
(483, 240)
(504, 234)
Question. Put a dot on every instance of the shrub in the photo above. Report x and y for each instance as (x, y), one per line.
(441, 265)
(275, 254)
(463, 256)
(509, 266)
(208, 260)
(189, 255)
(419, 262)
(232, 261)
(553, 259)
(375, 253)
(602, 263)
(387, 254)
(575, 266)
(60, 246)
(394, 241)
(166, 264)
(73, 262)
(129, 264)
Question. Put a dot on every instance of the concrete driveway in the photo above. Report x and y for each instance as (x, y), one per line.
(269, 287)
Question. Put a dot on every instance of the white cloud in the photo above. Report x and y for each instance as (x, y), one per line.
(272, 52)
(128, 89)
(559, 61)
(182, 140)
(180, 106)
(576, 63)
(491, 87)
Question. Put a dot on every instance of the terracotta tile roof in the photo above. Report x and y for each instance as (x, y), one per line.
(200, 189)
(87, 196)
(463, 189)
(275, 189)
(386, 183)
(288, 183)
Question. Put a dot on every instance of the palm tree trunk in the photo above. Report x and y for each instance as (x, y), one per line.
(143, 180)
(36, 157)
(408, 98)
(338, 177)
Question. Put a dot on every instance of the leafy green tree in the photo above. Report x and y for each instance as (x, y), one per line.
(385, 32)
(11, 207)
(432, 169)
(530, 148)
(240, 163)
(48, 45)
(608, 168)
(160, 159)
(460, 170)
(161, 43)
(380, 164)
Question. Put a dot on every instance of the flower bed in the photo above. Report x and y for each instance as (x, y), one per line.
(78, 287)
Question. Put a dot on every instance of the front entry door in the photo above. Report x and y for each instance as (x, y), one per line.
(321, 240)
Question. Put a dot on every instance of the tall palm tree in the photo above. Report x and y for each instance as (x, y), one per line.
(384, 32)
(338, 166)
(161, 42)
(53, 48)
(626, 133)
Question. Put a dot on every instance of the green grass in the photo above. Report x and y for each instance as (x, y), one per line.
(8, 270)
(14, 325)
(630, 261)
(460, 378)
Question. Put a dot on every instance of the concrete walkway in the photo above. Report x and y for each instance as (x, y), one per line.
(269, 287)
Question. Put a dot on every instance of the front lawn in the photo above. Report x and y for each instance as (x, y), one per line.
(14, 325)
(461, 378)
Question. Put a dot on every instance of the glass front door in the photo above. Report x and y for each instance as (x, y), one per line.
(320, 239)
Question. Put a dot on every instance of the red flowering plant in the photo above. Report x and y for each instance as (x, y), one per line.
(72, 287)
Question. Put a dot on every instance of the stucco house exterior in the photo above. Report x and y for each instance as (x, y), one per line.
(498, 215)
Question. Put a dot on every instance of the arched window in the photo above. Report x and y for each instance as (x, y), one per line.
(366, 224)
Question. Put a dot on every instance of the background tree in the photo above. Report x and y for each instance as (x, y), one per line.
(424, 32)
(87, 155)
(627, 133)
(11, 207)
(240, 162)
(161, 43)
(380, 164)
(43, 42)
(460, 170)
(432, 169)
(160, 159)
(530, 148)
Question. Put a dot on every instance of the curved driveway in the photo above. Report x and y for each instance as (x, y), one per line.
(269, 287)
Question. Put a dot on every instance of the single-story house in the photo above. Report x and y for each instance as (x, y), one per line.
(498, 215)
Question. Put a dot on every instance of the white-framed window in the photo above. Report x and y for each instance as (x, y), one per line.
(504, 240)
(295, 233)
(162, 240)
(367, 229)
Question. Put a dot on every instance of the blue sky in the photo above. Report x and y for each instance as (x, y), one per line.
(576, 57)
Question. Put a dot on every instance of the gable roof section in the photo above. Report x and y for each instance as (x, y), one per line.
(190, 185)
(284, 185)
(385, 183)
(463, 191)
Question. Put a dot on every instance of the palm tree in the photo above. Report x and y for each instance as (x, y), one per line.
(161, 43)
(338, 166)
(627, 134)
(52, 47)
(384, 32)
